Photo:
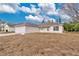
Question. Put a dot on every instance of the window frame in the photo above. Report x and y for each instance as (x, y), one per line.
(55, 28)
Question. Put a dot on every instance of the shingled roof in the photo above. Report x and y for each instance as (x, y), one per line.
(46, 25)
(26, 24)
(42, 25)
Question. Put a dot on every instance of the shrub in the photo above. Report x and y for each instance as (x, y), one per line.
(71, 27)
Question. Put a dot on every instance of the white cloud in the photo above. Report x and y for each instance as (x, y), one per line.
(46, 8)
(48, 5)
(49, 9)
(30, 17)
(52, 13)
(9, 8)
(43, 4)
(52, 6)
(25, 9)
(33, 9)
(39, 18)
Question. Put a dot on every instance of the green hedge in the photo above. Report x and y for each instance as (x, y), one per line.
(71, 27)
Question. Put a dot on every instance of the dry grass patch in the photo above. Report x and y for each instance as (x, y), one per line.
(40, 44)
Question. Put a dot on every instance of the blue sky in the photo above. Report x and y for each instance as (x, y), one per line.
(25, 12)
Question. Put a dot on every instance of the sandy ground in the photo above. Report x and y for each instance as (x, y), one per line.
(40, 44)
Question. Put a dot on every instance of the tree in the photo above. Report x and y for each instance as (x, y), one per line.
(76, 27)
(71, 27)
(68, 27)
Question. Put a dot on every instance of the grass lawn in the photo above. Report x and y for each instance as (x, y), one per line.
(45, 44)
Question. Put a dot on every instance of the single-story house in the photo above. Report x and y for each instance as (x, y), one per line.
(44, 27)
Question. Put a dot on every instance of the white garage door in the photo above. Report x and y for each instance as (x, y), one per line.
(20, 30)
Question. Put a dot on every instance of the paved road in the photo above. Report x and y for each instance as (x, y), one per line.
(7, 34)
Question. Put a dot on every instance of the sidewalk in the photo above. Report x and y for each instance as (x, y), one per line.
(7, 34)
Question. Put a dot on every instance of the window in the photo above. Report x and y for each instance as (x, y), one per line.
(56, 28)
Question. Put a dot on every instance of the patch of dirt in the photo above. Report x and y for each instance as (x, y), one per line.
(40, 44)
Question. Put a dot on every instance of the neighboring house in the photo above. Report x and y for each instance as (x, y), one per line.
(44, 27)
(8, 28)
(5, 27)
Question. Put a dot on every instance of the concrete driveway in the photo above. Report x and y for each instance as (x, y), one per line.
(7, 34)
